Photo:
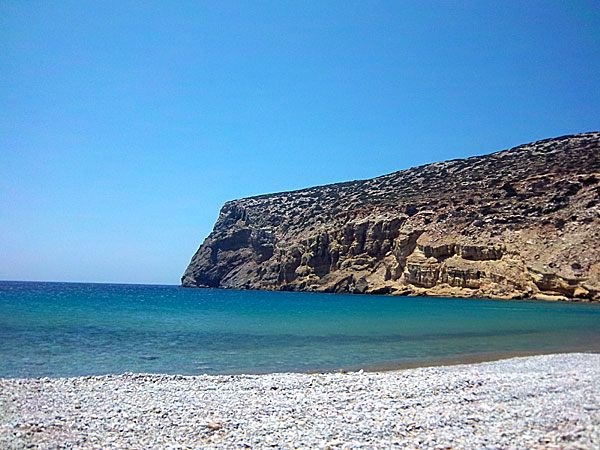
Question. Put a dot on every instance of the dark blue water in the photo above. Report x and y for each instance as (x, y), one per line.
(66, 329)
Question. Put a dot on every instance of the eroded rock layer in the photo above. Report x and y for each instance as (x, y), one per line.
(520, 223)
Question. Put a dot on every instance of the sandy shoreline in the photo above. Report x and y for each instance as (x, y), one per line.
(547, 401)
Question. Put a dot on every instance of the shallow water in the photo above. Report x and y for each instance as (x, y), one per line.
(69, 329)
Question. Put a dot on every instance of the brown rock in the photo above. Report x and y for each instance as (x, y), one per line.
(214, 426)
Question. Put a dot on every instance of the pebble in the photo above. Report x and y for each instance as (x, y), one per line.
(548, 401)
(214, 426)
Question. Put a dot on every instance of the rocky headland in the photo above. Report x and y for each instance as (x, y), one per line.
(519, 223)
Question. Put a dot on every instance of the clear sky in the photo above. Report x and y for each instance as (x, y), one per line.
(125, 125)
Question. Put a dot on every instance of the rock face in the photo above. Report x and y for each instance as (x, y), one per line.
(520, 223)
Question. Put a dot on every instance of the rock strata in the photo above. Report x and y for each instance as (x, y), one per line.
(519, 223)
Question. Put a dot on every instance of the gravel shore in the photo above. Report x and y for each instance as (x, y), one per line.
(549, 401)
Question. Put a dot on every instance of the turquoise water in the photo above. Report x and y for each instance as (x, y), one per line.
(68, 329)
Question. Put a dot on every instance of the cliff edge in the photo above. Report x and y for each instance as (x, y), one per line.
(519, 223)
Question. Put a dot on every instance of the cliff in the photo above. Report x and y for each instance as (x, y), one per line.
(519, 223)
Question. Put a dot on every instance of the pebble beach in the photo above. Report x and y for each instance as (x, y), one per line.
(547, 401)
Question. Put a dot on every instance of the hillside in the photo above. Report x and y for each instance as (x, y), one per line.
(519, 223)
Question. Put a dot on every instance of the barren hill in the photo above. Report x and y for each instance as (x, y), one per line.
(520, 223)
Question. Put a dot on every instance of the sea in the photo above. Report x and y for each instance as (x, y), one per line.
(77, 329)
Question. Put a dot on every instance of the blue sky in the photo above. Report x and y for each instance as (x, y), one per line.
(125, 125)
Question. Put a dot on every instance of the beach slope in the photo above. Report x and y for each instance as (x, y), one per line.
(548, 401)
